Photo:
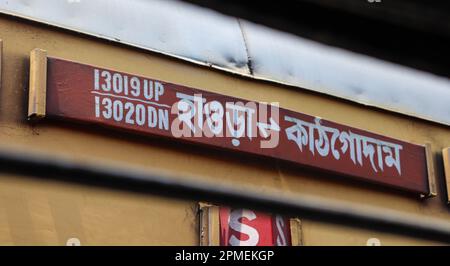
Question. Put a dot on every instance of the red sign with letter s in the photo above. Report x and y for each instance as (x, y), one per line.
(243, 227)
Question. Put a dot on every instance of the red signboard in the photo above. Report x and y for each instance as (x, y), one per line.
(144, 105)
(242, 227)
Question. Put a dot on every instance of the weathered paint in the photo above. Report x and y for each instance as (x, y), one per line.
(178, 29)
(92, 95)
(33, 211)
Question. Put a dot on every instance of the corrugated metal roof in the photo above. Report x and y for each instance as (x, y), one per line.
(205, 37)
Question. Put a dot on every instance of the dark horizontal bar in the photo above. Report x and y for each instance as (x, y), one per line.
(312, 208)
(409, 32)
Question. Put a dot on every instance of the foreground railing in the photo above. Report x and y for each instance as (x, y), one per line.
(306, 207)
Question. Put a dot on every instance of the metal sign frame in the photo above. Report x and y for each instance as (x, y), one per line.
(210, 226)
(65, 90)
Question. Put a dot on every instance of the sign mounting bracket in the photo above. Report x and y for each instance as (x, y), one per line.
(38, 84)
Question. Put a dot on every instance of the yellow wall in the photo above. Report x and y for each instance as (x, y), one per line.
(33, 211)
